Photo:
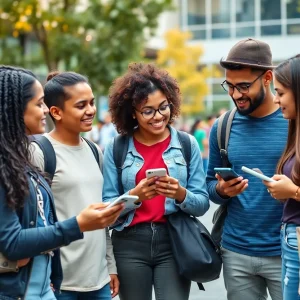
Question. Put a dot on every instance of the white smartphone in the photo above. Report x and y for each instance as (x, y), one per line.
(160, 172)
(256, 174)
(129, 201)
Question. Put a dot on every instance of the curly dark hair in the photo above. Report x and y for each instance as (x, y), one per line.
(16, 89)
(134, 87)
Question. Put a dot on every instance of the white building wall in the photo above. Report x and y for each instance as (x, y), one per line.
(283, 46)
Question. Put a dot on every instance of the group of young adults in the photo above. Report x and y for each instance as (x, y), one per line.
(54, 241)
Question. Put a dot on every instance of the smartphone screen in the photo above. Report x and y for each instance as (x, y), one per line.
(226, 173)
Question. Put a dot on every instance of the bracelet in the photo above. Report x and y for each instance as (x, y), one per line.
(296, 195)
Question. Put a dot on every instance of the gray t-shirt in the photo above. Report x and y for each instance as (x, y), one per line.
(77, 183)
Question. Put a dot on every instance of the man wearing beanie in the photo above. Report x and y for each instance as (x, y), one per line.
(251, 234)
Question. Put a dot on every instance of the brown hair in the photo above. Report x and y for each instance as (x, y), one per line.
(133, 88)
(288, 74)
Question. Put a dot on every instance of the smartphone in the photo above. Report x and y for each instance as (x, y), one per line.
(129, 201)
(257, 174)
(156, 173)
(226, 173)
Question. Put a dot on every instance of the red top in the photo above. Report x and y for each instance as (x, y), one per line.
(152, 210)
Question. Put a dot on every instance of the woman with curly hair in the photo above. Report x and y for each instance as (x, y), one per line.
(143, 104)
(30, 235)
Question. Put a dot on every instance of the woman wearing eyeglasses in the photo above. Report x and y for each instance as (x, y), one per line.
(143, 103)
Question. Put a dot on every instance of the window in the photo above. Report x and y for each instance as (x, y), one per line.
(271, 30)
(199, 34)
(270, 10)
(244, 10)
(220, 33)
(245, 31)
(220, 11)
(293, 29)
(196, 12)
(292, 9)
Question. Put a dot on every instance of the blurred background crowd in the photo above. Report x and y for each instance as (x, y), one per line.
(99, 38)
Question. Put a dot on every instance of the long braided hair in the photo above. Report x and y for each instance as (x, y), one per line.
(16, 89)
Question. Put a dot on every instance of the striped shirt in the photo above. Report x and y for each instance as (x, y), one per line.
(252, 226)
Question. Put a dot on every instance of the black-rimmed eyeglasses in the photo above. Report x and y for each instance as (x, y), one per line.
(149, 113)
(243, 88)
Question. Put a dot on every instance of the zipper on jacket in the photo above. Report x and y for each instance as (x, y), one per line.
(36, 216)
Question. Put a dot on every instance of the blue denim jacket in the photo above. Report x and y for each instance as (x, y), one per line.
(19, 239)
(196, 201)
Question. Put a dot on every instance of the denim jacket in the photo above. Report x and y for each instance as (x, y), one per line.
(196, 201)
(19, 239)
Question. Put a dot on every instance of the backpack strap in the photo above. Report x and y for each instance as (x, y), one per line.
(94, 150)
(49, 155)
(120, 148)
(223, 132)
(185, 142)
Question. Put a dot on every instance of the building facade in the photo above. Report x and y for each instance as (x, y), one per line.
(219, 24)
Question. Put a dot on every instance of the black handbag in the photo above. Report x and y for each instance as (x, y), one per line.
(197, 256)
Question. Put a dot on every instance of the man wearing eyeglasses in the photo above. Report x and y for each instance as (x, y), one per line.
(251, 234)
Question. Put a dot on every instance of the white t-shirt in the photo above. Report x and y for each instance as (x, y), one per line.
(77, 183)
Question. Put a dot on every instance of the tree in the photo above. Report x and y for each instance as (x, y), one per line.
(97, 39)
(182, 61)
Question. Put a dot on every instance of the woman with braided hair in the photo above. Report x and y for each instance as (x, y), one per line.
(30, 235)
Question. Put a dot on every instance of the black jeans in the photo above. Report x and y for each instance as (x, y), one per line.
(145, 259)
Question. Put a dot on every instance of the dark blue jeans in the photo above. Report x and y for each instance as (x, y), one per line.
(145, 259)
(102, 294)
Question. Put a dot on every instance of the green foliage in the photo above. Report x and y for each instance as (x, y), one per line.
(98, 39)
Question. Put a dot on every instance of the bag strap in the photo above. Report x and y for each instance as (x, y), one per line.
(94, 150)
(185, 142)
(223, 132)
(120, 148)
(49, 155)
(200, 286)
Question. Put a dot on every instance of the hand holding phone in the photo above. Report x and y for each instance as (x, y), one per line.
(129, 200)
(226, 173)
(160, 172)
(257, 174)
(230, 186)
(170, 187)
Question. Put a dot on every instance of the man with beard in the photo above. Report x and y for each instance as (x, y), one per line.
(251, 234)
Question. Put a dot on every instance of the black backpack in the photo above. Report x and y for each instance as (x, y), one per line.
(50, 156)
(223, 132)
